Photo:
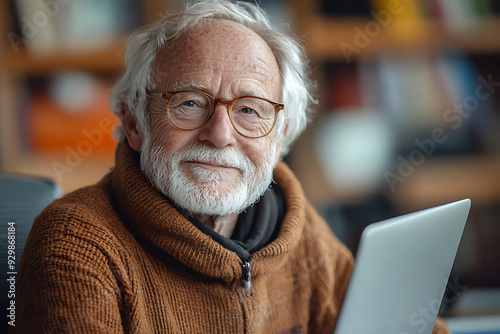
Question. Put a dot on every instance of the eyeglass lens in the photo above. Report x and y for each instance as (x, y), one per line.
(252, 117)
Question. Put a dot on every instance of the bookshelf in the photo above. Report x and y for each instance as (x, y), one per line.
(22, 65)
(442, 177)
(323, 34)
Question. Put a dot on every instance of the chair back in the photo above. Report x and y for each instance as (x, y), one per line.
(22, 198)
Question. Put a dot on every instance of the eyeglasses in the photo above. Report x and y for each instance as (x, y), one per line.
(251, 117)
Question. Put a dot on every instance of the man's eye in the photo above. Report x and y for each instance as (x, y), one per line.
(191, 104)
(247, 111)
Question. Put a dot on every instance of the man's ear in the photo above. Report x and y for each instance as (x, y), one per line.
(132, 129)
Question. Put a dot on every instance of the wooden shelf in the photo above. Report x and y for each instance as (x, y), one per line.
(445, 179)
(103, 59)
(324, 36)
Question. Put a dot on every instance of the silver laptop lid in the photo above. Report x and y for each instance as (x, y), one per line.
(401, 271)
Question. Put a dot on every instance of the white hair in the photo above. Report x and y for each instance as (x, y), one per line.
(144, 45)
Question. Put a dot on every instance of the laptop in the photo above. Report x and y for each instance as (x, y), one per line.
(401, 272)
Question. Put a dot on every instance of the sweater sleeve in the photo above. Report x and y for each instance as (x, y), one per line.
(67, 283)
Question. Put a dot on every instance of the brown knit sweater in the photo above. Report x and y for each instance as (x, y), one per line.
(118, 258)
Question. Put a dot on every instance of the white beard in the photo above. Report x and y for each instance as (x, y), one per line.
(211, 192)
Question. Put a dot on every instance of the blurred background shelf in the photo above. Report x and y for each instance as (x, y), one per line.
(324, 37)
(446, 179)
(439, 49)
(474, 325)
(108, 59)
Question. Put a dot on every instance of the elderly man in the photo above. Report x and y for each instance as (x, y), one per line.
(189, 233)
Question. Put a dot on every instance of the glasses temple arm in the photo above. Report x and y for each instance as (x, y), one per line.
(153, 94)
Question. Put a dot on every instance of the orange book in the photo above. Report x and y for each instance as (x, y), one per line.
(53, 127)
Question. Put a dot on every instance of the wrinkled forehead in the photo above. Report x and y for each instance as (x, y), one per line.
(218, 45)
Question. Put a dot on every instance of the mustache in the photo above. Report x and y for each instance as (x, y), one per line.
(227, 157)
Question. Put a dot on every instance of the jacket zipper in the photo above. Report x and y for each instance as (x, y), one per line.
(247, 279)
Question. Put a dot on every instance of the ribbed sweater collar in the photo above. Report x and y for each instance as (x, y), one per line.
(158, 223)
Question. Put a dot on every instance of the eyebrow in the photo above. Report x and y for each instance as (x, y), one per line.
(188, 86)
(251, 92)
(196, 86)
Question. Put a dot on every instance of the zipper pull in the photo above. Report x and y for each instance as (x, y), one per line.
(247, 280)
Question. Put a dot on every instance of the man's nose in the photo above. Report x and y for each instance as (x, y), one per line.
(219, 129)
